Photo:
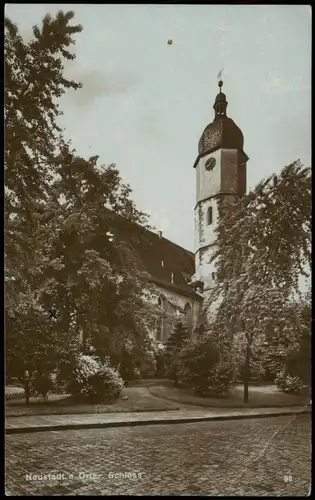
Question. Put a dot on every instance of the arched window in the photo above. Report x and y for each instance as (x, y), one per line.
(187, 309)
(209, 216)
(188, 315)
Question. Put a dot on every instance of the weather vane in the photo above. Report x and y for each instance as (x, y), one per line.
(220, 83)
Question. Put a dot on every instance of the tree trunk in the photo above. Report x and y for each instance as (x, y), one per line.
(84, 342)
(27, 391)
(246, 373)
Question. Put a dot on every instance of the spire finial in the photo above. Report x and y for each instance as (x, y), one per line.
(220, 83)
(220, 103)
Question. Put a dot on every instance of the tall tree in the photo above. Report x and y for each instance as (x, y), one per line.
(34, 83)
(92, 275)
(263, 246)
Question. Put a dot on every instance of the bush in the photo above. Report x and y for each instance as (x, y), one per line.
(107, 383)
(298, 362)
(272, 366)
(257, 372)
(160, 363)
(94, 380)
(127, 365)
(295, 375)
(288, 383)
(137, 361)
(221, 378)
(171, 367)
(176, 342)
(41, 384)
(177, 339)
(148, 365)
(137, 374)
(197, 366)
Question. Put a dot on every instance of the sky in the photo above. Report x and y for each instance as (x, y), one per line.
(144, 103)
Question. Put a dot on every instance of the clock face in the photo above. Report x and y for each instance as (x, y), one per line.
(210, 164)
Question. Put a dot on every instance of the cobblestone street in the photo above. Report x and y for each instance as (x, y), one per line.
(265, 457)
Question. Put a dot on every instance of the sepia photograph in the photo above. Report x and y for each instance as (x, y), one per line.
(157, 255)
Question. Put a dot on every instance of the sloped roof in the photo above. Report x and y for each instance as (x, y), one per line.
(169, 264)
(221, 133)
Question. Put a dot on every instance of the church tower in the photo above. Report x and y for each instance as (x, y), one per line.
(220, 173)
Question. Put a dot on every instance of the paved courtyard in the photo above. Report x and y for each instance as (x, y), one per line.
(265, 457)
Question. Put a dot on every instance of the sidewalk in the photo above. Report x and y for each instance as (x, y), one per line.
(40, 423)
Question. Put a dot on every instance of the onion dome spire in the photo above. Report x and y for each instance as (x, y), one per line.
(220, 103)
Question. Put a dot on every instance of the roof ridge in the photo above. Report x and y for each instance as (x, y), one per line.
(172, 242)
(146, 229)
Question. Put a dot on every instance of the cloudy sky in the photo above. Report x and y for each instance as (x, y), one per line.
(144, 103)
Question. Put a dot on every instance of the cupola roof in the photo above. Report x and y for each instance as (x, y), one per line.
(223, 131)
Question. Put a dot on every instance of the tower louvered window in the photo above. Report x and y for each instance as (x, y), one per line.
(209, 216)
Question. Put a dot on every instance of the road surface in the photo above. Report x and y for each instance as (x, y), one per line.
(265, 457)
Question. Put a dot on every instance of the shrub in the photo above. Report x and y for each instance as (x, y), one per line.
(137, 374)
(107, 383)
(171, 367)
(196, 362)
(148, 365)
(288, 383)
(175, 343)
(295, 375)
(161, 360)
(41, 384)
(272, 365)
(94, 380)
(298, 362)
(257, 372)
(221, 378)
(128, 366)
(177, 339)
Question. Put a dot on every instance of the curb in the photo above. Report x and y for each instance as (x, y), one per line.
(136, 423)
(228, 407)
(150, 410)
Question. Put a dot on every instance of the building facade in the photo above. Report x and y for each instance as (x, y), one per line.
(184, 279)
(171, 268)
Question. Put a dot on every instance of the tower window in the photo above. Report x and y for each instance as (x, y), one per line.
(172, 277)
(162, 263)
(209, 216)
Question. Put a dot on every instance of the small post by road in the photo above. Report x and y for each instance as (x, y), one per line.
(27, 387)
